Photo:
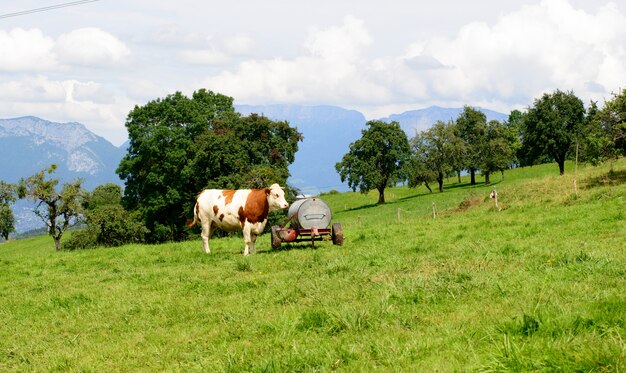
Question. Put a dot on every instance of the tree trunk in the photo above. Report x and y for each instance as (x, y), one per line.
(458, 174)
(428, 186)
(440, 181)
(381, 196)
(501, 175)
(562, 166)
(472, 176)
(487, 177)
(57, 243)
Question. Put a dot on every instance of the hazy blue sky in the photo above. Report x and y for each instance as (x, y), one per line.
(94, 62)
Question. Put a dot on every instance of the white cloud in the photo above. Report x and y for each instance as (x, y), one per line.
(506, 63)
(208, 56)
(333, 70)
(91, 47)
(214, 51)
(31, 50)
(238, 44)
(32, 89)
(537, 48)
(343, 44)
(26, 50)
(91, 91)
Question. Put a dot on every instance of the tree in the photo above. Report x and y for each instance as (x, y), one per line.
(180, 145)
(457, 152)
(612, 126)
(376, 160)
(8, 195)
(433, 154)
(595, 143)
(472, 128)
(419, 169)
(552, 125)
(237, 152)
(58, 210)
(514, 135)
(161, 137)
(497, 153)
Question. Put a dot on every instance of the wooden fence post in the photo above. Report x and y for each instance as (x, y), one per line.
(576, 171)
(495, 198)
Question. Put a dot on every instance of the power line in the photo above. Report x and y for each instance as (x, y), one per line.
(45, 9)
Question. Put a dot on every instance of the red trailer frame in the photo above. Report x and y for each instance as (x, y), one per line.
(280, 235)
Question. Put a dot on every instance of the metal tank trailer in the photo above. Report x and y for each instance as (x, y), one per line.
(309, 221)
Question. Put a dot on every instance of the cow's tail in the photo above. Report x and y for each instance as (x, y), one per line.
(196, 210)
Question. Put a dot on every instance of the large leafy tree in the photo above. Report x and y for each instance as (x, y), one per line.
(376, 160)
(472, 128)
(180, 145)
(434, 154)
(552, 125)
(161, 138)
(8, 195)
(57, 209)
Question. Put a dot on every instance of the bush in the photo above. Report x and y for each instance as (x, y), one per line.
(115, 226)
(82, 239)
(109, 224)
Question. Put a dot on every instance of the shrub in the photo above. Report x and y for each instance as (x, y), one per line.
(115, 226)
(108, 221)
(82, 239)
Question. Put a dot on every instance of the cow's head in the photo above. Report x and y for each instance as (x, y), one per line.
(276, 197)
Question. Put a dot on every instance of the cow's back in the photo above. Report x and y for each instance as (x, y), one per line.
(223, 207)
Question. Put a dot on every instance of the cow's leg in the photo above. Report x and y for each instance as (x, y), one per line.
(207, 229)
(252, 242)
(247, 238)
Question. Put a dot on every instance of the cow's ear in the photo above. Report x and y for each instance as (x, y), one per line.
(268, 191)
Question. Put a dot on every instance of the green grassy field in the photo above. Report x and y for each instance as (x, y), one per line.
(538, 286)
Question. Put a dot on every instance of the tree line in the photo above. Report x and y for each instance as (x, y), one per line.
(555, 128)
(181, 145)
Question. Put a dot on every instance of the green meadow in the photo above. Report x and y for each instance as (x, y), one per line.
(537, 284)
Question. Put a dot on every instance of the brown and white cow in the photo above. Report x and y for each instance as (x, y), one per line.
(232, 210)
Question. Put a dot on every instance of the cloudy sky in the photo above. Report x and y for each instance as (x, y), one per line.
(94, 62)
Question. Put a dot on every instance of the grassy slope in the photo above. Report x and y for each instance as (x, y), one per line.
(536, 286)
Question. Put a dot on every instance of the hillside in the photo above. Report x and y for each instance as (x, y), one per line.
(538, 285)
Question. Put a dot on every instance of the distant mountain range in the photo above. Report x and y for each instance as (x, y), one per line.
(414, 121)
(29, 144)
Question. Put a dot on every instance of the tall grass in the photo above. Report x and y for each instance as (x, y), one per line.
(538, 285)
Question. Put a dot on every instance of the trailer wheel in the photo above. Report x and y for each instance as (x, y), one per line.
(337, 234)
(276, 241)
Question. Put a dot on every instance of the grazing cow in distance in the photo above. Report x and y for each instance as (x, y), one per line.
(233, 210)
